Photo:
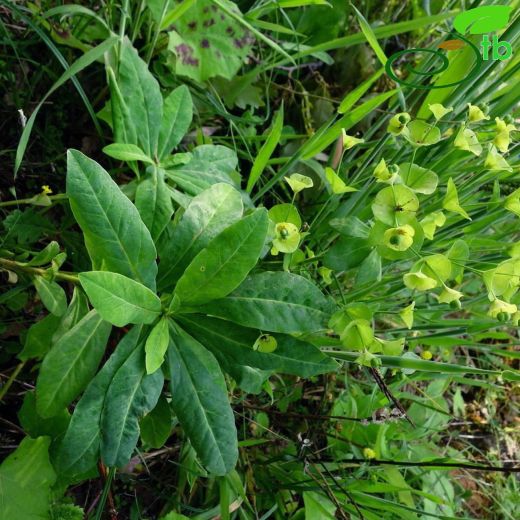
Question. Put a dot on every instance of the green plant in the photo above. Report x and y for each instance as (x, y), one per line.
(278, 285)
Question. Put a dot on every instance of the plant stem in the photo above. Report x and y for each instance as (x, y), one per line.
(36, 271)
(11, 379)
(106, 490)
(30, 200)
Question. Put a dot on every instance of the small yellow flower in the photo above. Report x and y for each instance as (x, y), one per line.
(46, 190)
(431, 222)
(503, 139)
(349, 141)
(467, 140)
(287, 238)
(326, 275)
(407, 315)
(449, 295)
(495, 162)
(398, 123)
(265, 343)
(439, 111)
(419, 281)
(384, 173)
(399, 238)
(299, 182)
(451, 200)
(499, 306)
(476, 114)
(426, 354)
(512, 202)
(369, 453)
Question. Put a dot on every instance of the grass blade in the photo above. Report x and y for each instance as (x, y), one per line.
(266, 151)
(80, 64)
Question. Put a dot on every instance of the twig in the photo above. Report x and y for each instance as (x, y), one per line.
(430, 464)
(382, 385)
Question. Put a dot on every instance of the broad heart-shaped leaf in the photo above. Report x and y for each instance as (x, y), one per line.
(276, 302)
(143, 101)
(130, 396)
(395, 205)
(26, 477)
(233, 345)
(206, 216)
(52, 295)
(209, 164)
(153, 201)
(208, 42)
(70, 364)
(116, 238)
(200, 401)
(119, 299)
(78, 452)
(177, 115)
(418, 179)
(225, 262)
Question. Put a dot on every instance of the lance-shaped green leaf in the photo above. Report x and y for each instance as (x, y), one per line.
(142, 97)
(207, 215)
(209, 164)
(156, 345)
(52, 295)
(234, 345)
(276, 302)
(79, 450)
(126, 152)
(26, 477)
(116, 238)
(154, 203)
(120, 300)
(157, 425)
(39, 338)
(45, 255)
(35, 425)
(248, 377)
(129, 397)
(77, 308)
(200, 401)
(224, 264)
(122, 124)
(178, 112)
(70, 364)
